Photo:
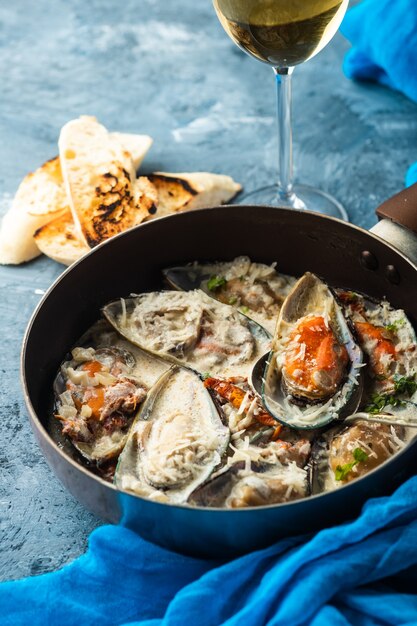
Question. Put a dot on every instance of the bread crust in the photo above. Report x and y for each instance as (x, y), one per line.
(59, 240)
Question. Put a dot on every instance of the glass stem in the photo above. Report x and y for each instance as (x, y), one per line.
(285, 176)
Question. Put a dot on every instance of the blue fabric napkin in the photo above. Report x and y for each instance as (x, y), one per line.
(383, 34)
(363, 572)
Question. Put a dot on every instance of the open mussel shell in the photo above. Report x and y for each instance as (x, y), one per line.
(298, 407)
(351, 450)
(104, 446)
(190, 329)
(386, 336)
(260, 484)
(255, 289)
(214, 493)
(188, 277)
(379, 312)
(93, 452)
(176, 441)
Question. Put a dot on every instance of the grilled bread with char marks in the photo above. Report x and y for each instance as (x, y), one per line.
(187, 191)
(42, 198)
(99, 177)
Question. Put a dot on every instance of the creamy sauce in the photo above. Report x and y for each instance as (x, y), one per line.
(178, 441)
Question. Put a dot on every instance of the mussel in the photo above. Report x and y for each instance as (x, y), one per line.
(314, 371)
(96, 399)
(388, 340)
(175, 443)
(259, 484)
(190, 329)
(351, 450)
(256, 289)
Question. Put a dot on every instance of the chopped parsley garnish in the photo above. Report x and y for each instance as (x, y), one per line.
(232, 300)
(395, 326)
(244, 309)
(381, 400)
(215, 282)
(360, 455)
(406, 385)
(206, 375)
(342, 471)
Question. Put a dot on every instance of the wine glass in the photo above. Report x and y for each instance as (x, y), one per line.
(285, 33)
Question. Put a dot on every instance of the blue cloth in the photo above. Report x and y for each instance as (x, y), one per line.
(383, 34)
(363, 573)
(411, 176)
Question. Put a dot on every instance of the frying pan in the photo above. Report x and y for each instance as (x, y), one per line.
(345, 255)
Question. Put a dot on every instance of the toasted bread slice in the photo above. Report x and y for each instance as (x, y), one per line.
(187, 191)
(59, 240)
(99, 177)
(136, 145)
(40, 197)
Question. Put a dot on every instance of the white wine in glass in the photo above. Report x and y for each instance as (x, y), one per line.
(285, 33)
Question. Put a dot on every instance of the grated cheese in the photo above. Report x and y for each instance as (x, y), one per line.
(67, 412)
(395, 438)
(244, 403)
(86, 411)
(80, 377)
(104, 378)
(353, 379)
(80, 355)
(124, 314)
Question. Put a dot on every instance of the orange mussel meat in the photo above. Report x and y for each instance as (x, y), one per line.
(381, 349)
(235, 395)
(92, 396)
(315, 361)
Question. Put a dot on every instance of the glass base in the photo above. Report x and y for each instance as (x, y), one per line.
(302, 197)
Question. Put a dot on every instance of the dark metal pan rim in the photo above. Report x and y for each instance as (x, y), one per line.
(44, 434)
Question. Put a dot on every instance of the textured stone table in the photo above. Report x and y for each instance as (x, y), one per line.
(167, 69)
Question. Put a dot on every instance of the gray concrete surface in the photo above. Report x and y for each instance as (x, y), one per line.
(167, 69)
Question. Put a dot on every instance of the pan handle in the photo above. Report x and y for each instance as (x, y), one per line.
(401, 208)
(398, 222)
